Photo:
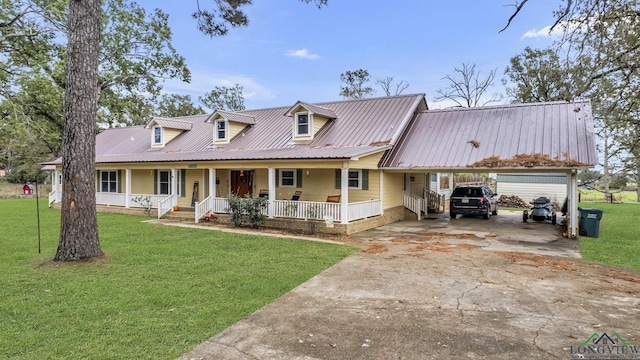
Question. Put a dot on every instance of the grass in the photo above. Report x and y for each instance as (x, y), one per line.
(619, 237)
(14, 191)
(159, 291)
(598, 196)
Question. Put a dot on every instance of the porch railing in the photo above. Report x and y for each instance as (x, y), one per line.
(413, 202)
(434, 201)
(214, 205)
(364, 209)
(144, 200)
(306, 209)
(110, 199)
(203, 207)
(164, 206)
(52, 197)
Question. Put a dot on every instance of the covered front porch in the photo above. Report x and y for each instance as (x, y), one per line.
(341, 195)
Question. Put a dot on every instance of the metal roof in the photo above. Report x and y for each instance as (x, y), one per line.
(170, 123)
(232, 116)
(316, 109)
(520, 136)
(366, 126)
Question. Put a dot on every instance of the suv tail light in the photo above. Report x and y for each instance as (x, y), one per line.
(481, 200)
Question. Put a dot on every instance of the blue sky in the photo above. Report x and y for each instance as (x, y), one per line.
(294, 51)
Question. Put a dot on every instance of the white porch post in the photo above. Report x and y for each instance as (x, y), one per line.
(572, 205)
(381, 192)
(427, 195)
(212, 182)
(344, 194)
(127, 187)
(56, 182)
(272, 192)
(451, 182)
(174, 182)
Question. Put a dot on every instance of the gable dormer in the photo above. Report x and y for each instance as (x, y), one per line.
(226, 125)
(164, 130)
(308, 119)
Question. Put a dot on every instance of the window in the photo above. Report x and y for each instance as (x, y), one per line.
(157, 135)
(287, 178)
(164, 182)
(355, 179)
(302, 124)
(221, 130)
(358, 179)
(109, 181)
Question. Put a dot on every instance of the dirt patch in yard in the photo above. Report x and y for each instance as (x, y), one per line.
(374, 249)
(442, 236)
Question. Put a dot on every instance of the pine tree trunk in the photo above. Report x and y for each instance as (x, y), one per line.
(79, 226)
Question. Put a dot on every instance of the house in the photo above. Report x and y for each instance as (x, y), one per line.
(359, 163)
(531, 186)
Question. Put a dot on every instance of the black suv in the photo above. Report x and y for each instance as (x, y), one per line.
(473, 200)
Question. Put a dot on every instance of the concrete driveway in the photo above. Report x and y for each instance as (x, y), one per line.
(435, 292)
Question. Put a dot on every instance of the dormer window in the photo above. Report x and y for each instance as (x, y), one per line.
(308, 120)
(157, 135)
(222, 130)
(303, 124)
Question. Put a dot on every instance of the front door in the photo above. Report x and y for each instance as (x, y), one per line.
(242, 182)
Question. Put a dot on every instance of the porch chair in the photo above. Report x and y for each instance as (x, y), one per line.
(264, 193)
(296, 196)
(333, 198)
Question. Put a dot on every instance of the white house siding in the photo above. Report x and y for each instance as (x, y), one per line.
(531, 186)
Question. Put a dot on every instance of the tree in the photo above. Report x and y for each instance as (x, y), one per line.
(224, 98)
(587, 176)
(469, 89)
(79, 226)
(601, 39)
(539, 76)
(216, 21)
(177, 105)
(386, 85)
(355, 84)
(79, 230)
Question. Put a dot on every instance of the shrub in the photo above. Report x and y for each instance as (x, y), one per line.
(247, 210)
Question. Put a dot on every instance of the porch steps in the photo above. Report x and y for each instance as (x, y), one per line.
(182, 215)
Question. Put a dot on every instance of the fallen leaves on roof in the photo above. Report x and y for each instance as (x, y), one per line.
(526, 160)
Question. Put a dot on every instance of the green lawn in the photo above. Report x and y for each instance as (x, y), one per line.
(159, 292)
(598, 196)
(619, 240)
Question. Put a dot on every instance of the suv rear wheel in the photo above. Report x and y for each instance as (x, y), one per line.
(487, 215)
(452, 214)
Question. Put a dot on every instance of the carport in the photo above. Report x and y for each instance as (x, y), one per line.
(551, 137)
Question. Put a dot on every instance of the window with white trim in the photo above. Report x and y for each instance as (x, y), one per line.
(303, 124)
(355, 179)
(164, 182)
(108, 181)
(157, 135)
(287, 178)
(221, 130)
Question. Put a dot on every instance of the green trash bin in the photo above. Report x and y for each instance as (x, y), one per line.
(589, 224)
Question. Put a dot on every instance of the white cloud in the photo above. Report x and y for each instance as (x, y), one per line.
(302, 53)
(544, 32)
(203, 81)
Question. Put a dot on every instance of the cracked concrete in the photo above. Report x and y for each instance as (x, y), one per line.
(412, 296)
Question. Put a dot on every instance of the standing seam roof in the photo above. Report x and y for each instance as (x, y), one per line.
(473, 137)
